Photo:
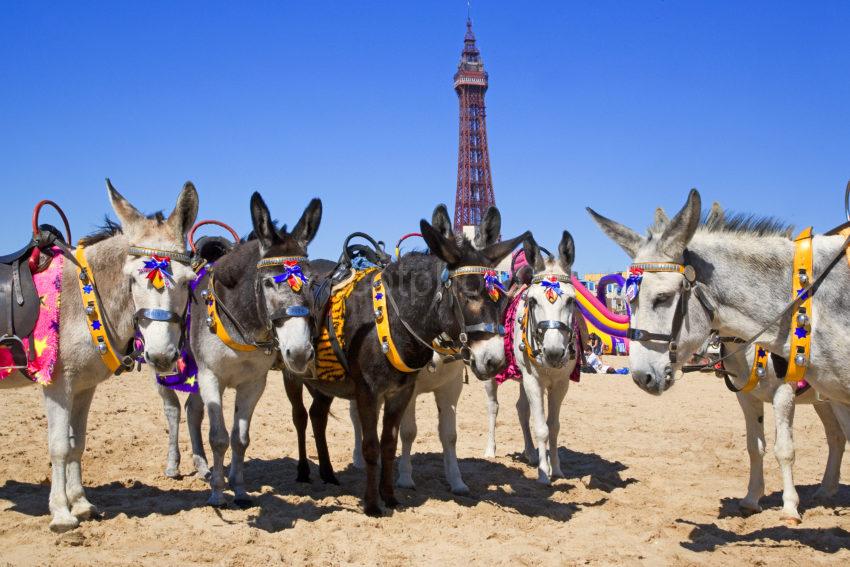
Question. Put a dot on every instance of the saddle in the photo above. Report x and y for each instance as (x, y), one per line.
(19, 302)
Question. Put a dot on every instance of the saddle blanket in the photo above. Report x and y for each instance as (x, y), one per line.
(44, 352)
(328, 367)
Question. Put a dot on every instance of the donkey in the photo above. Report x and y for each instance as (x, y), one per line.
(544, 348)
(428, 294)
(737, 281)
(127, 298)
(258, 294)
(783, 397)
(442, 377)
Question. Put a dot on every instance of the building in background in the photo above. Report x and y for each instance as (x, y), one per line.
(613, 293)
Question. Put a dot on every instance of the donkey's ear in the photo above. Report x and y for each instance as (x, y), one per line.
(441, 222)
(681, 229)
(716, 215)
(308, 225)
(263, 226)
(445, 249)
(567, 252)
(489, 229)
(629, 240)
(495, 253)
(127, 214)
(185, 212)
(533, 255)
(660, 222)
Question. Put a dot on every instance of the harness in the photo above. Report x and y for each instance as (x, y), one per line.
(532, 329)
(97, 324)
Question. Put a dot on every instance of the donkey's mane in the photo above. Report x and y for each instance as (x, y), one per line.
(110, 228)
(745, 223)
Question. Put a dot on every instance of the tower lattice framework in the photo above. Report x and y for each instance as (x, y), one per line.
(474, 181)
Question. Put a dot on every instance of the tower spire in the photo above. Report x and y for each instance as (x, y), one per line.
(474, 183)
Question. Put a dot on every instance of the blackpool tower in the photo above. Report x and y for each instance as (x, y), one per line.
(474, 182)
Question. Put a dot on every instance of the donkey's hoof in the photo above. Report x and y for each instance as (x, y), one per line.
(792, 520)
(303, 473)
(460, 490)
(63, 523)
(405, 481)
(749, 507)
(823, 493)
(172, 471)
(373, 510)
(84, 510)
(328, 477)
(543, 478)
(243, 501)
(490, 453)
(216, 500)
(532, 458)
(557, 473)
(390, 502)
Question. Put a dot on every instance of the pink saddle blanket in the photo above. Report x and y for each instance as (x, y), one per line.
(44, 352)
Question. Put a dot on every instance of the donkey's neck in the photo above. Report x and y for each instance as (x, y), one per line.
(749, 279)
(107, 259)
(413, 282)
(236, 287)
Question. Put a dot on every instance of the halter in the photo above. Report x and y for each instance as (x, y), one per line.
(533, 333)
(689, 283)
(97, 325)
(493, 288)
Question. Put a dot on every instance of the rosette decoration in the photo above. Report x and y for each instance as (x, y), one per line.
(157, 271)
(632, 286)
(493, 285)
(292, 275)
(553, 289)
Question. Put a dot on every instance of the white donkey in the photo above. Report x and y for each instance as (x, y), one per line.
(733, 276)
(545, 353)
(442, 378)
(259, 305)
(127, 300)
(783, 397)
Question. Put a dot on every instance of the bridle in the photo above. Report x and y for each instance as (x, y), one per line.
(294, 276)
(689, 284)
(534, 330)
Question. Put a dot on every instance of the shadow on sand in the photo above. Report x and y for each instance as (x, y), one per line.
(708, 537)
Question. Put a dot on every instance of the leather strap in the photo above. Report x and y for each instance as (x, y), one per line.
(215, 324)
(801, 322)
(94, 313)
(845, 232)
(382, 324)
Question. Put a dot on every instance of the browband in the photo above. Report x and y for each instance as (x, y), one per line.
(174, 256)
(280, 260)
(658, 267)
(470, 271)
(563, 278)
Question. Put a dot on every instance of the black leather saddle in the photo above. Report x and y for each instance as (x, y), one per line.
(209, 249)
(19, 302)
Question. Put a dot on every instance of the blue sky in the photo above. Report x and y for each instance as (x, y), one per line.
(622, 106)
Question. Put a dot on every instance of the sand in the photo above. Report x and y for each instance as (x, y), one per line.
(649, 481)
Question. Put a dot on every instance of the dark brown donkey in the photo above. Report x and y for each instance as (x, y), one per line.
(427, 294)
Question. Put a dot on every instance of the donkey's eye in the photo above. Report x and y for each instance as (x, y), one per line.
(661, 299)
(268, 282)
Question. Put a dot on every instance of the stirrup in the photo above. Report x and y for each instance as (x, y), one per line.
(14, 339)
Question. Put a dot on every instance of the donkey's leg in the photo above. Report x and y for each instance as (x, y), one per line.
(357, 460)
(367, 411)
(408, 436)
(58, 405)
(80, 506)
(491, 388)
(835, 441)
(394, 408)
(541, 429)
(194, 419)
(447, 397)
(295, 392)
(553, 420)
(171, 407)
(783, 411)
(247, 396)
(319, 411)
(524, 413)
(211, 391)
(753, 410)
